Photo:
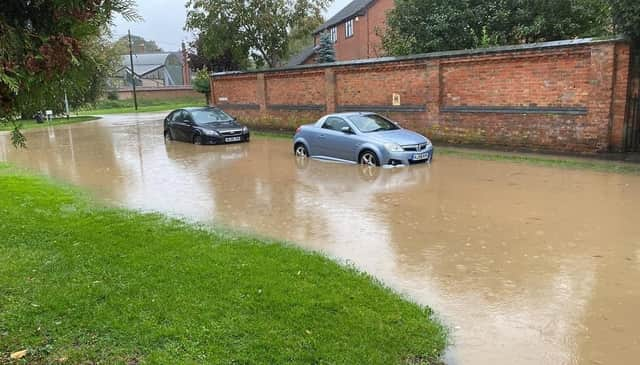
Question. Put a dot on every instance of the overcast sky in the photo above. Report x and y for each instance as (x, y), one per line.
(164, 20)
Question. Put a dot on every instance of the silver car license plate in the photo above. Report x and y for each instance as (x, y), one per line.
(420, 156)
(233, 139)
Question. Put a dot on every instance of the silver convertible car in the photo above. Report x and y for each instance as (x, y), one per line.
(365, 138)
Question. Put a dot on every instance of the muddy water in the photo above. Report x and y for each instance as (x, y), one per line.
(526, 265)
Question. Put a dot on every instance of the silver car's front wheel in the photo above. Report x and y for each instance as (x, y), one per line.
(369, 158)
(301, 151)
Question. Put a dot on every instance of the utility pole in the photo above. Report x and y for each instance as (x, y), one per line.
(186, 75)
(133, 74)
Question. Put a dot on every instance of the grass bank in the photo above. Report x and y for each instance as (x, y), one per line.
(31, 123)
(126, 106)
(80, 283)
(575, 163)
(271, 134)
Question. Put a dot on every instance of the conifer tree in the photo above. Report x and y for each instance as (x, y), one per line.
(325, 53)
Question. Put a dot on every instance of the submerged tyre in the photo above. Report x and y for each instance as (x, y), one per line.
(369, 158)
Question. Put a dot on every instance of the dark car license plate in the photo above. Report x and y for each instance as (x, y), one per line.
(233, 139)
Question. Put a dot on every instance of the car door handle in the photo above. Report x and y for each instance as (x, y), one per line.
(321, 136)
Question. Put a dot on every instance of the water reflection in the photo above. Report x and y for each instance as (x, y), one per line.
(526, 265)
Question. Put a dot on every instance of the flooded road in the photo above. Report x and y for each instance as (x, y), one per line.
(525, 265)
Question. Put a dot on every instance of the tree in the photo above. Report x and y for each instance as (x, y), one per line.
(121, 46)
(227, 54)
(259, 27)
(301, 34)
(626, 17)
(49, 46)
(202, 84)
(418, 26)
(325, 53)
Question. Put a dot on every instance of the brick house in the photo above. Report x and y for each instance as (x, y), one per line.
(355, 30)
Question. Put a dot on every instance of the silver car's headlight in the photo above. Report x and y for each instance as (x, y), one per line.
(209, 132)
(393, 147)
(245, 130)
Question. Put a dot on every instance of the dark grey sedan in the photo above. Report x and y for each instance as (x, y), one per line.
(365, 138)
(205, 125)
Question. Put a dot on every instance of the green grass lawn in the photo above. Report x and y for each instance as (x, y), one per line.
(126, 106)
(574, 163)
(84, 283)
(31, 123)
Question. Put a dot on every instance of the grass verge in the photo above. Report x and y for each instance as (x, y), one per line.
(104, 107)
(98, 285)
(32, 124)
(272, 134)
(547, 161)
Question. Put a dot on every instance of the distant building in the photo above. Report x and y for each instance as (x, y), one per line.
(151, 70)
(355, 31)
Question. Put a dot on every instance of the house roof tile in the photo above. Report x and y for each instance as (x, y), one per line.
(354, 8)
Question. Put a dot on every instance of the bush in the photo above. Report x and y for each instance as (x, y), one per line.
(113, 95)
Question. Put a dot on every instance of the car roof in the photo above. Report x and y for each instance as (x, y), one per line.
(196, 108)
(349, 114)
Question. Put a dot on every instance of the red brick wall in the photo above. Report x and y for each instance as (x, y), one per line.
(619, 102)
(375, 86)
(305, 88)
(240, 89)
(569, 97)
(542, 79)
(238, 95)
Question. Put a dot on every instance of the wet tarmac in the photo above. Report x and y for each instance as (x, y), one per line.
(525, 265)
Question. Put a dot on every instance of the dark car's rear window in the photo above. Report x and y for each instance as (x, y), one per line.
(210, 116)
(372, 123)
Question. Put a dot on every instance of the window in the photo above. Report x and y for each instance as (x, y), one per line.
(187, 117)
(372, 123)
(335, 124)
(177, 117)
(349, 28)
(334, 34)
(211, 116)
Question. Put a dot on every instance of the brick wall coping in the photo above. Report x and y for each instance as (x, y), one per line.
(154, 88)
(442, 54)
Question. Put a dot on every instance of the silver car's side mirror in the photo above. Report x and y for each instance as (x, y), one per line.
(347, 130)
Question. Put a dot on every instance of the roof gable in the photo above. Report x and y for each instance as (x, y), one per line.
(354, 8)
(302, 56)
(149, 58)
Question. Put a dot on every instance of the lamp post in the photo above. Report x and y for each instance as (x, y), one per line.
(133, 74)
(66, 104)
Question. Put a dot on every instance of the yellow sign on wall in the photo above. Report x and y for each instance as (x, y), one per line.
(396, 99)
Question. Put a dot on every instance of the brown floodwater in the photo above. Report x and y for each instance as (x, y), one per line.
(524, 264)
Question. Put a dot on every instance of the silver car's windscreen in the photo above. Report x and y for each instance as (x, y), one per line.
(372, 123)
